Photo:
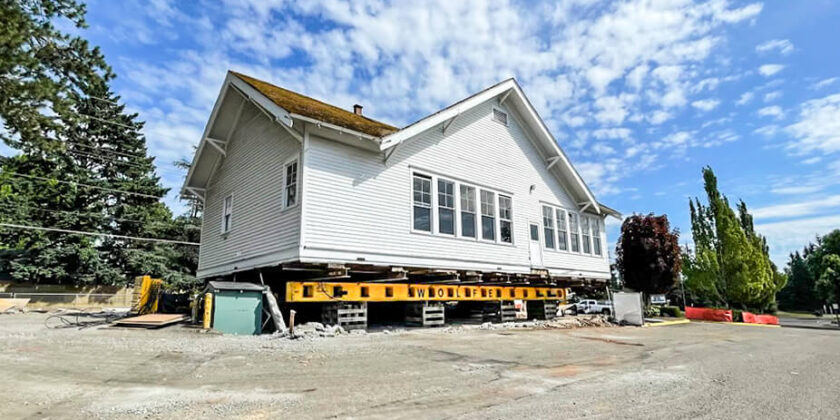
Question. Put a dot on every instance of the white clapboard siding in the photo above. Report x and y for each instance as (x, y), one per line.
(358, 209)
(262, 231)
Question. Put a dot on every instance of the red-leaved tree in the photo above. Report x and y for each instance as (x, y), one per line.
(648, 254)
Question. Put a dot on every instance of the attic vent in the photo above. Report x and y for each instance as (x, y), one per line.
(500, 116)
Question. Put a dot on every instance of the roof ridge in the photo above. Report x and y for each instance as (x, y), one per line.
(245, 77)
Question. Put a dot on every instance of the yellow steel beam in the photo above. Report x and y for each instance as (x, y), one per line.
(302, 291)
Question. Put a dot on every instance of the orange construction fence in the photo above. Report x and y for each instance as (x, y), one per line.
(706, 314)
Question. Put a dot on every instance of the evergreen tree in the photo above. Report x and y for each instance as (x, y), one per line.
(828, 286)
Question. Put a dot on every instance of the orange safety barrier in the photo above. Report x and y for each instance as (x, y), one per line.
(706, 314)
(766, 319)
(751, 318)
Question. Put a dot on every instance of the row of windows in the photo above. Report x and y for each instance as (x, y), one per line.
(567, 231)
(290, 193)
(460, 218)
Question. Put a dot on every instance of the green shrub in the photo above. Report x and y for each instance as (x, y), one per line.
(673, 311)
(737, 316)
(651, 311)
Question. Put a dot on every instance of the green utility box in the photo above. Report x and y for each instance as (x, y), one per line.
(237, 307)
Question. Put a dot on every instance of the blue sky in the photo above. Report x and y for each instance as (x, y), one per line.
(641, 94)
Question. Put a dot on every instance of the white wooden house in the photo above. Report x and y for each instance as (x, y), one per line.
(481, 185)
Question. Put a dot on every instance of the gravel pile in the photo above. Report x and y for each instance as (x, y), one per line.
(557, 323)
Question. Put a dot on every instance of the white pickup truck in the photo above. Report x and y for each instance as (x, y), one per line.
(592, 306)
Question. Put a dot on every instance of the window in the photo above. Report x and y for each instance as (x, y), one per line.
(586, 235)
(488, 216)
(227, 213)
(505, 219)
(575, 232)
(562, 236)
(500, 116)
(446, 207)
(422, 187)
(596, 236)
(535, 232)
(548, 227)
(290, 190)
(467, 211)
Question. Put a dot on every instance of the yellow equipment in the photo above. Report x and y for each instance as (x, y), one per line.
(302, 291)
(146, 295)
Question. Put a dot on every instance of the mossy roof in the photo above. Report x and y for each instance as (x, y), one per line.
(296, 103)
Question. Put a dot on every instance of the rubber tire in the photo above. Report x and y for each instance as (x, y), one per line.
(606, 312)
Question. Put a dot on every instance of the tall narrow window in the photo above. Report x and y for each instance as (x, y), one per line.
(290, 190)
(586, 235)
(596, 236)
(574, 231)
(467, 211)
(548, 227)
(227, 214)
(488, 216)
(446, 207)
(422, 187)
(505, 219)
(562, 235)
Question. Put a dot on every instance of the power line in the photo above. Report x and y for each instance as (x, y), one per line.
(79, 184)
(107, 150)
(90, 214)
(107, 235)
(108, 121)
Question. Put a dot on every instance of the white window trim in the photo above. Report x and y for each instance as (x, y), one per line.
(436, 210)
(553, 228)
(568, 223)
(506, 123)
(565, 228)
(285, 197)
(478, 215)
(511, 219)
(597, 222)
(585, 234)
(433, 204)
(225, 232)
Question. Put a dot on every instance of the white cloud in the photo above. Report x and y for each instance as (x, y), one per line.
(797, 190)
(772, 96)
(783, 46)
(824, 83)
(745, 98)
(612, 133)
(771, 111)
(829, 204)
(768, 70)
(659, 117)
(767, 130)
(706, 104)
(818, 127)
(787, 236)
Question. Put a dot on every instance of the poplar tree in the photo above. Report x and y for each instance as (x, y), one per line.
(730, 264)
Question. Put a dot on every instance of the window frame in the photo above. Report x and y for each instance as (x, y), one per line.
(438, 206)
(495, 215)
(292, 161)
(596, 225)
(546, 228)
(564, 228)
(431, 204)
(476, 188)
(225, 209)
(461, 211)
(586, 235)
(508, 219)
(574, 234)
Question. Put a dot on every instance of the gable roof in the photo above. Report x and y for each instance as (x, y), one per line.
(296, 103)
(286, 105)
(508, 90)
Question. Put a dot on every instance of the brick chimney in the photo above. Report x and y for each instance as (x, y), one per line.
(357, 109)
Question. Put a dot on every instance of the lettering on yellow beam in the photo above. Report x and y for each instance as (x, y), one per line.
(377, 292)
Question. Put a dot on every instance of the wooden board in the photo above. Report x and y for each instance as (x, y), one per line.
(151, 320)
(6, 304)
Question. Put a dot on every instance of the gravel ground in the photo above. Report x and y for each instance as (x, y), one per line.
(480, 372)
